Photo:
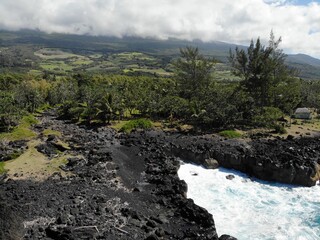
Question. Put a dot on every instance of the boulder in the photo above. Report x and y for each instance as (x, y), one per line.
(211, 163)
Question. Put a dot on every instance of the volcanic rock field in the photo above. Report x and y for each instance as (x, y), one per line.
(119, 186)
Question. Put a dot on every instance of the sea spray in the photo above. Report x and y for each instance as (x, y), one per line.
(253, 209)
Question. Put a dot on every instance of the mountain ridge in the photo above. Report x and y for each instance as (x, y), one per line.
(304, 58)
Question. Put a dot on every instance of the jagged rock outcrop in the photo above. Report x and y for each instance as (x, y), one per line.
(294, 161)
(12, 149)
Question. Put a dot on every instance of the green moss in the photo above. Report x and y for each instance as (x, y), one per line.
(230, 134)
(18, 133)
(28, 120)
(48, 132)
(2, 170)
(62, 145)
(136, 124)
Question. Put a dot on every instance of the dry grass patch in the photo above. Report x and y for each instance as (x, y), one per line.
(304, 128)
(34, 165)
(22, 131)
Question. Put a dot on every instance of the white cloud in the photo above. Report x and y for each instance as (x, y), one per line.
(230, 21)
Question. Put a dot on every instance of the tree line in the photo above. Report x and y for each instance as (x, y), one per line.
(268, 90)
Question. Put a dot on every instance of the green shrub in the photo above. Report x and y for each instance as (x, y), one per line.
(268, 116)
(43, 108)
(230, 134)
(279, 129)
(136, 124)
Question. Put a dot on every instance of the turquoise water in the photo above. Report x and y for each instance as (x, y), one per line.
(255, 210)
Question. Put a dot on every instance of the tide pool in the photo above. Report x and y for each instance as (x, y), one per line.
(253, 209)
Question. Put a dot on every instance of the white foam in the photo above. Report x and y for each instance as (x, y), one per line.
(251, 209)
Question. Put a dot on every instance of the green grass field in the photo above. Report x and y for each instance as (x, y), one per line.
(82, 62)
(47, 53)
(157, 71)
(63, 61)
(57, 61)
(56, 66)
(224, 75)
(134, 56)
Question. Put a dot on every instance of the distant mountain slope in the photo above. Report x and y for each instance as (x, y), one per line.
(309, 67)
(303, 59)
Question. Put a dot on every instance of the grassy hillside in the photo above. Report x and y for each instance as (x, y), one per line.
(309, 67)
(60, 54)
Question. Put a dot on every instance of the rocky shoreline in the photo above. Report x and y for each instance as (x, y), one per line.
(126, 186)
(119, 187)
(291, 160)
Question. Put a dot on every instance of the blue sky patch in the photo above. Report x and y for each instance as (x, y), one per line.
(304, 2)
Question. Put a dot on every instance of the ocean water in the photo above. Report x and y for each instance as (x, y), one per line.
(253, 209)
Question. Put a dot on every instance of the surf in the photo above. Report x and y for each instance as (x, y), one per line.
(248, 208)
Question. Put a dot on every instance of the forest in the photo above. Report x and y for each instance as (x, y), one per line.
(261, 88)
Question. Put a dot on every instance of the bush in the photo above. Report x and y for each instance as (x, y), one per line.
(230, 134)
(43, 108)
(136, 124)
(279, 129)
(268, 116)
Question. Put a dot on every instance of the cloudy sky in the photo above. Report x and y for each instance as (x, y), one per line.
(234, 21)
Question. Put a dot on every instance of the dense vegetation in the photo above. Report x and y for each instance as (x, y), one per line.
(192, 94)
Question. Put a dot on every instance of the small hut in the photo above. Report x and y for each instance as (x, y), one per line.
(303, 113)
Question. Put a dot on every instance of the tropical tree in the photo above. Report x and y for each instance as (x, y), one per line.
(31, 94)
(193, 74)
(9, 111)
(63, 90)
(263, 71)
(103, 108)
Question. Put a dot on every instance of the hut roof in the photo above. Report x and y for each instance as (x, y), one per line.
(302, 110)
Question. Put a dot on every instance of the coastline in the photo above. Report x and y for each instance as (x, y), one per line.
(127, 186)
(119, 187)
(249, 208)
